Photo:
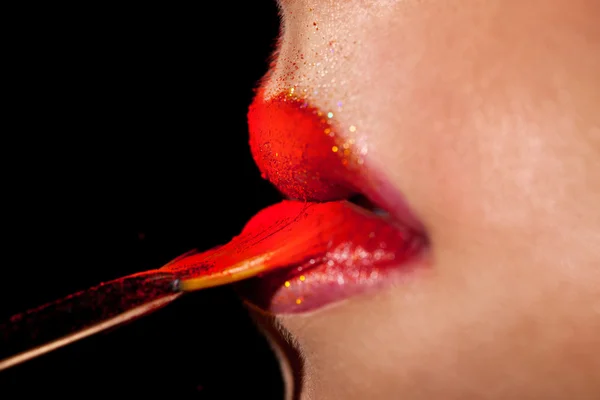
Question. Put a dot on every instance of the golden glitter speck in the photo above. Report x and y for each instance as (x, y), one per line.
(298, 301)
(334, 149)
(327, 131)
(287, 284)
(302, 278)
(352, 128)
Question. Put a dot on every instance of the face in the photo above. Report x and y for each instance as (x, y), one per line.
(476, 125)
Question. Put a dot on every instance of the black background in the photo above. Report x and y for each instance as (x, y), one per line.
(125, 145)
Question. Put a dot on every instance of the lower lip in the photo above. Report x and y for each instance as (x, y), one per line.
(369, 256)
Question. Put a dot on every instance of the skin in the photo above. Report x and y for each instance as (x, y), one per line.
(485, 115)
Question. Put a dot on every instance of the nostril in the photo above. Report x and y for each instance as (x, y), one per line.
(298, 149)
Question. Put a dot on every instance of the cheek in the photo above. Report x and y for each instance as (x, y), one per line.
(491, 158)
(441, 122)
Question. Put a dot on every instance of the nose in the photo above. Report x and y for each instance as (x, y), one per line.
(297, 148)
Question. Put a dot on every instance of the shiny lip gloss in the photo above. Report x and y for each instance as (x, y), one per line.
(300, 150)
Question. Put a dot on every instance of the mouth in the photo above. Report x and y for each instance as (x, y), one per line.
(342, 232)
(360, 234)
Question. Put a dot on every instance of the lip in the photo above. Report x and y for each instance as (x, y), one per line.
(298, 148)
